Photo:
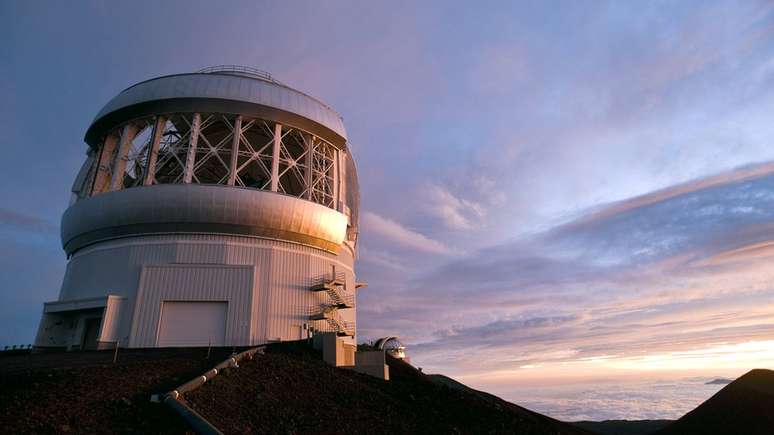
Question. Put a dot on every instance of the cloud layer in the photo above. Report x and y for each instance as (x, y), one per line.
(393, 232)
(653, 282)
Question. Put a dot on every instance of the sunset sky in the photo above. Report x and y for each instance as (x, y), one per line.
(551, 190)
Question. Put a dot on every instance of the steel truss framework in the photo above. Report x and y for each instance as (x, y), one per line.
(215, 148)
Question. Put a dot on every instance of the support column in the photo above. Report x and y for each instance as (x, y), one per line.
(119, 165)
(275, 157)
(191, 157)
(232, 171)
(335, 176)
(102, 177)
(153, 150)
(343, 182)
(309, 162)
(79, 185)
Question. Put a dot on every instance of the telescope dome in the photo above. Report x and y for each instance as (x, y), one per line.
(392, 346)
(218, 207)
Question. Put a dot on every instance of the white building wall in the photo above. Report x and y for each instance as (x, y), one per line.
(193, 282)
(276, 302)
(113, 319)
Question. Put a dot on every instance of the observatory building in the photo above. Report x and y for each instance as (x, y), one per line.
(218, 207)
(392, 346)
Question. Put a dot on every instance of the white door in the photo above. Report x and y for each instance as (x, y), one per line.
(188, 324)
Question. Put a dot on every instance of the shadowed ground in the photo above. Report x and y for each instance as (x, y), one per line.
(84, 392)
(290, 390)
(287, 390)
(745, 406)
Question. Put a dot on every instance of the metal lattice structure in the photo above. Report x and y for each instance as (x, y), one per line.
(215, 148)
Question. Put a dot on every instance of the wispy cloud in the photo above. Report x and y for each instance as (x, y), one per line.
(397, 234)
(451, 210)
(668, 273)
(20, 221)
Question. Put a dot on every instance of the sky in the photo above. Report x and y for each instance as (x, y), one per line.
(552, 191)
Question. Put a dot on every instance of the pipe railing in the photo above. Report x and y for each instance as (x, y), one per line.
(17, 348)
(198, 423)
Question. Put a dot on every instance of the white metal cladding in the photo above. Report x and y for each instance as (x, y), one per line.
(285, 273)
(228, 87)
(194, 208)
(183, 282)
(112, 318)
(75, 305)
(201, 323)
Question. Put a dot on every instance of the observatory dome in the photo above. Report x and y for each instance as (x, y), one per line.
(391, 345)
(145, 134)
(222, 195)
(222, 89)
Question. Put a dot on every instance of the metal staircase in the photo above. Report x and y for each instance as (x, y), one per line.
(334, 287)
(340, 327)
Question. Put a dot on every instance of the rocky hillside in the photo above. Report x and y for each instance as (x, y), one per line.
(84, 392)
(290, 390)
(745, 406)
(287, 390)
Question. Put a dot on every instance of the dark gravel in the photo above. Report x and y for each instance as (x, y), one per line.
(745, 406)
(287, 390)
(83, 392)
(290, 390)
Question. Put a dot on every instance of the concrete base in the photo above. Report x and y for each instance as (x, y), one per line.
(340, 354)
(377, 371)
(335, 351)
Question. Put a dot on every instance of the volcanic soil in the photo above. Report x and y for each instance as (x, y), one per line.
(84, 392)
(289, 389)
(745, 406)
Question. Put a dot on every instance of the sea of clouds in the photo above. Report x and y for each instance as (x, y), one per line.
(625, 400)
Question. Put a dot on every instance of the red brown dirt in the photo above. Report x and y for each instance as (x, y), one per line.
(287, 390)
(291, 390)
(84, 392)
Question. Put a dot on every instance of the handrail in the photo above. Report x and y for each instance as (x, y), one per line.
(345, 299)
(330, 315)
(239, 70)
(199, 424)
(328, 277)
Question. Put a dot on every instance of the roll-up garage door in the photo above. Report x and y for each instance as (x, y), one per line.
(192, 324)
